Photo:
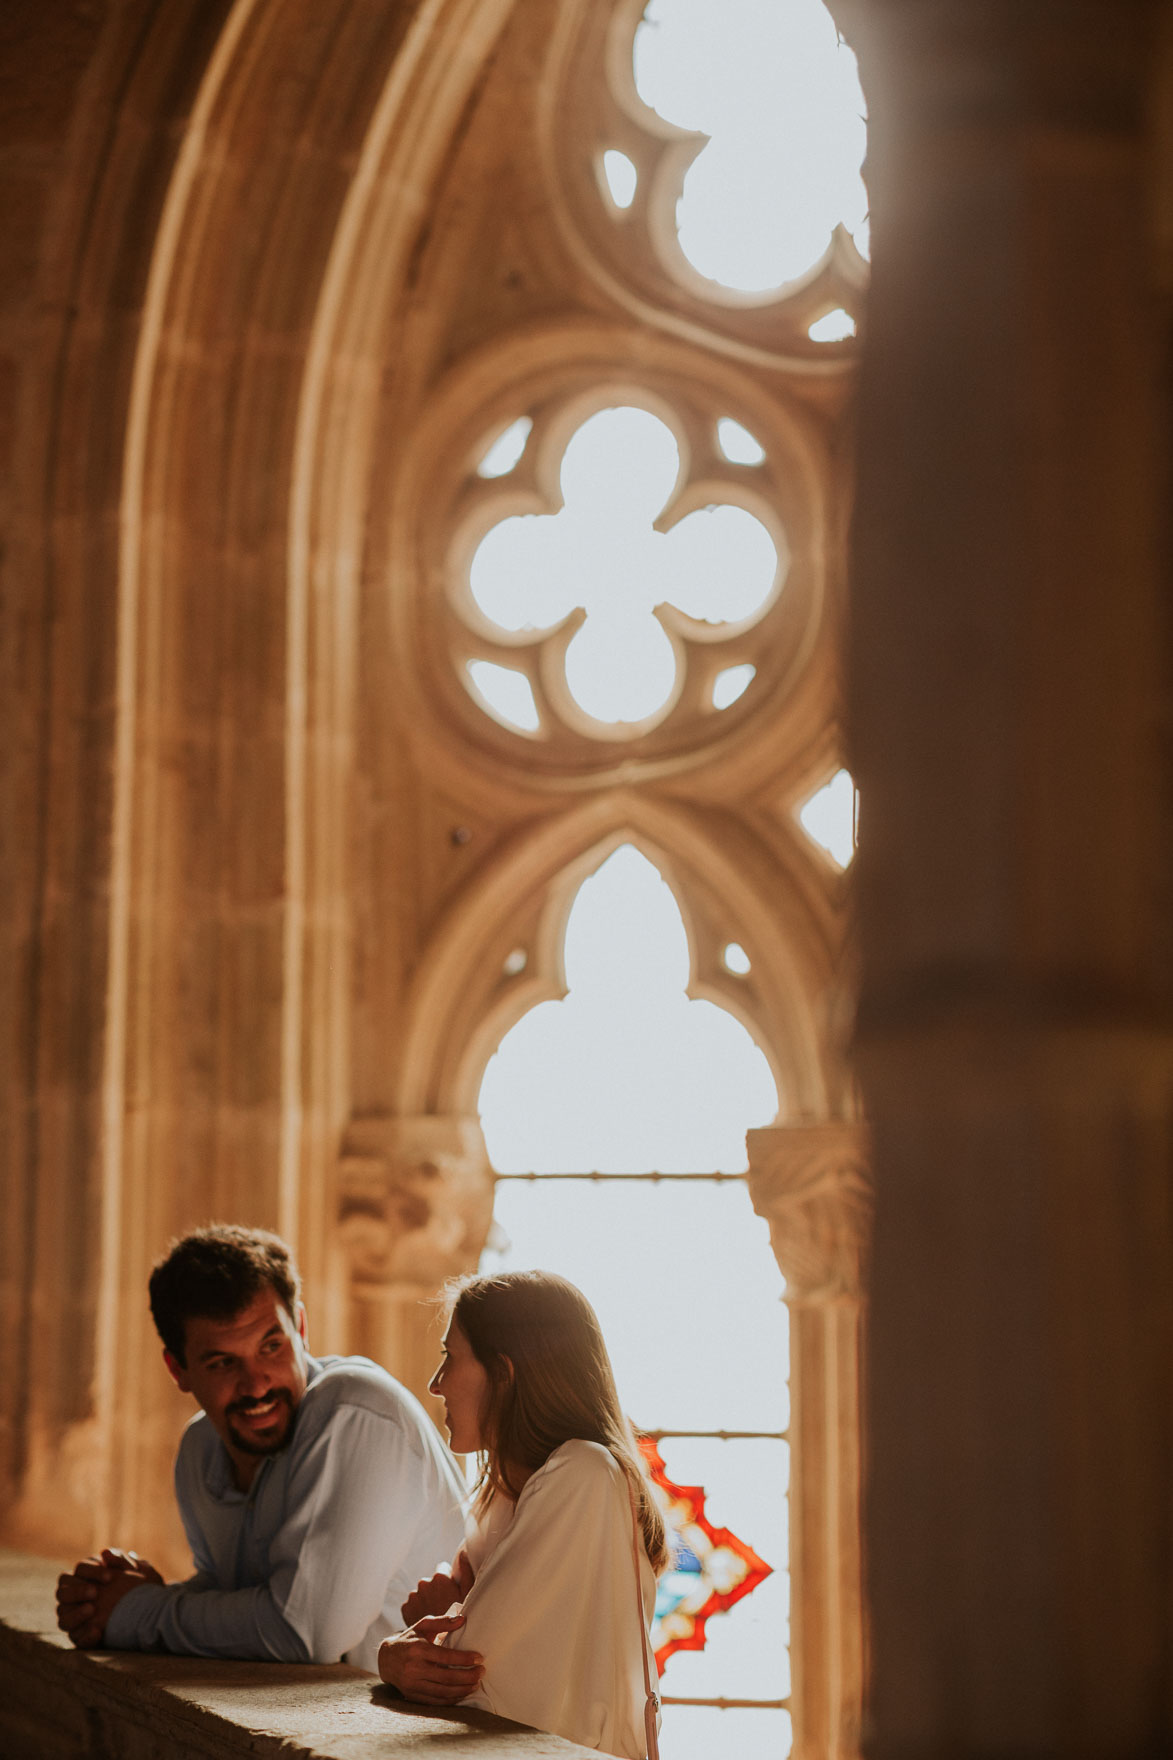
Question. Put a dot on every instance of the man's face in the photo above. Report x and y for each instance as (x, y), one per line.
(248, 1373)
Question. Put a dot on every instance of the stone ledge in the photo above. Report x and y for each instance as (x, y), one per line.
(57, 1703)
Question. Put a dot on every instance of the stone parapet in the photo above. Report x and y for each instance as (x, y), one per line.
(57, 1703)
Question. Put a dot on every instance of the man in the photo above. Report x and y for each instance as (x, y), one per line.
(314, 1494)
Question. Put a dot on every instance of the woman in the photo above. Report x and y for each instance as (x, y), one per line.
(554, 1630)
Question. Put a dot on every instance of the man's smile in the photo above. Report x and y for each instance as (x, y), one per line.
(262, 1408)
(258, 1418)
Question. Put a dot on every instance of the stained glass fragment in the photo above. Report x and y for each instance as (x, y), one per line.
(712, 1570)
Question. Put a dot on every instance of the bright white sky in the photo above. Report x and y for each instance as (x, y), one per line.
(779, 96)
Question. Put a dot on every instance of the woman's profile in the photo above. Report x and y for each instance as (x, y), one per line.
(557, 1582)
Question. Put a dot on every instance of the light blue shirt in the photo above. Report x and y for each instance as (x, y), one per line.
(313, 1562)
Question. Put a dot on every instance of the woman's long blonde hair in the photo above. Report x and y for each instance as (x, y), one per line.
(550, 1380)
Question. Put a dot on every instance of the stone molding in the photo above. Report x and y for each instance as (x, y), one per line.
(589, 103)
(810, 1183)
(415, 1200)
(560, 374)
(725, 879)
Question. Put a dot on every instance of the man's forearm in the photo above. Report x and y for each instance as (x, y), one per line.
(192, 1619)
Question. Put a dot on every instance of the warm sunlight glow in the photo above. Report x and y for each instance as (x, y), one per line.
(778, 94)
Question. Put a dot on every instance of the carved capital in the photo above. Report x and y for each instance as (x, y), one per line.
(811, 1183)
(415, 1199)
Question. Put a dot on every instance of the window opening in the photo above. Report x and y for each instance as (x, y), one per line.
(506, 449)
(738, 444)
(602, 553)
(508, 694)
(776, 90)
(731, 684)
(621, 177)
(834, 326)
(616, 1121)
(735, 959)
(830, 818)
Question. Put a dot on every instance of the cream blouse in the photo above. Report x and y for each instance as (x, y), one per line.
(553, 1608)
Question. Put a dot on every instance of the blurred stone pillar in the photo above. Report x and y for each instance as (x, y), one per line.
(415, 1205)
(811, 1185)
(1008, 696)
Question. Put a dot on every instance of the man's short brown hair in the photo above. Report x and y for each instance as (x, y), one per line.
(213, 1273)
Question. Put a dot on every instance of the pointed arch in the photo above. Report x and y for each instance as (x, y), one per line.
(227, 1002)
(463, 999)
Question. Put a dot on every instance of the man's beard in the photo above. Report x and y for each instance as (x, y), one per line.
(249, 1444)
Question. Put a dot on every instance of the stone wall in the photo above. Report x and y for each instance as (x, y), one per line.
(57, 1703)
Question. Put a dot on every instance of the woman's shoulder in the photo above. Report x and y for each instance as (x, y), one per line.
(580, 1461)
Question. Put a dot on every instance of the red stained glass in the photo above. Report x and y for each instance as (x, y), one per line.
(712, 1569)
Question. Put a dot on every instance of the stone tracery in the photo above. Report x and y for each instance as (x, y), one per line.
(693, 782)
(583, 586)
(197, 999)
(326, 859)
(634, 251)
(445, 510)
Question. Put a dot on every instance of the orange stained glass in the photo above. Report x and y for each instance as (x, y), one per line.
(712, 1568)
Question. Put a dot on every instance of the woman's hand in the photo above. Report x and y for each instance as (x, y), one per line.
(426, 1671)
(433, 1596)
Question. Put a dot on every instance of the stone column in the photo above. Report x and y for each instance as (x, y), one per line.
(415, 1205)
(1008, 692)
(810, 1184)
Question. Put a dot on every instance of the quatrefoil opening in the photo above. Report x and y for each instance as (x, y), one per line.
(610, 593)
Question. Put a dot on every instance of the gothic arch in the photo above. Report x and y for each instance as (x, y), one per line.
(462, 1002)
(289, 877)
(290, 264)
(254, 314)
(225, 1077)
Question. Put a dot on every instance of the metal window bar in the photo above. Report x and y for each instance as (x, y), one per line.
(721, 1435)
(654, 1178)
(732, 1704)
